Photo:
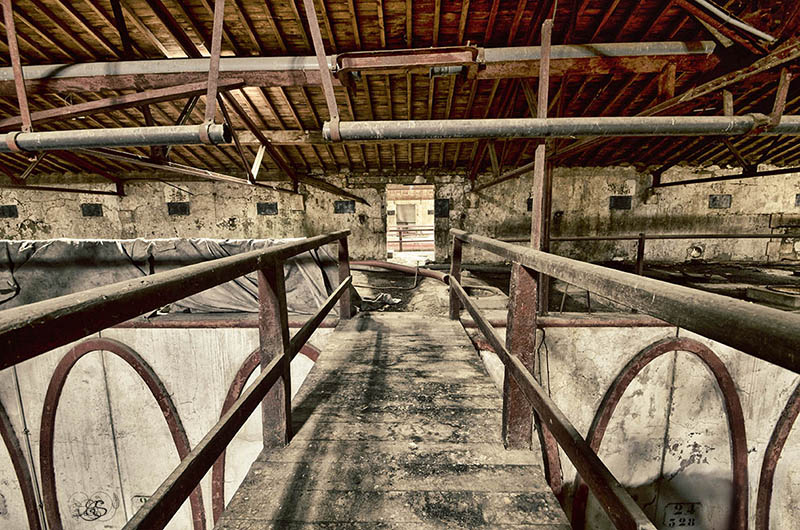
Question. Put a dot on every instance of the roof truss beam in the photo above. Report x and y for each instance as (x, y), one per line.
(489, 63)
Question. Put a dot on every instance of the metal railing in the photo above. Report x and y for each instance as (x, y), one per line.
(31, 330)
(419, 234)
(768, 334)
(642, 237)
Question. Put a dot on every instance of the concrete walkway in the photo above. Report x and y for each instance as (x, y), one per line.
(397, 426)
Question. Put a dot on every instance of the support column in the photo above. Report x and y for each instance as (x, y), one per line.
(455, 273)
(16, 65)
(345, 303)
(273, 329)
(521, 342)
(524, 344)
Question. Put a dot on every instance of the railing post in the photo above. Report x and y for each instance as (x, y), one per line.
(273, 329)
(521, 342)
(345, 304)
(640, 255)
(455, 273)
(518, 414)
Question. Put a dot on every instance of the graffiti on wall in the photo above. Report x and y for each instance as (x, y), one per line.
(99, 506)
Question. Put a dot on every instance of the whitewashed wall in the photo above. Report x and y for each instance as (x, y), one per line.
(111, 440)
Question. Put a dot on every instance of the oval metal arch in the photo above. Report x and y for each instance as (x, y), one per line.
(234, 391)
(771, 456)
(159, 392)
(733, 410)
(21, 469)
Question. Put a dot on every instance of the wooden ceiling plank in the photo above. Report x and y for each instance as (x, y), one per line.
(197, 29)
(255, 109)
(272, 109)
(276, 30)
(448, 111)
(144, 30)
(539, 16)
(382, 23)
(462, 21)
(32, 45)
(606, 15)
(297, 120)
(487, 34)
(748, 102)
(431, 90)
(371, 116)
(354, 22)
(174, 28)
(226, 33)
(350, 108)
(302, 31)
(467, 114)
(326, 21)
(318, 123)
(573, 22)
(704, 17)
(437, 16)
(788, 52)
(31, 23)
(631, 17)
(247, 25)
(388, 85)
(679, 26)
(518, 13)
(88, 28)
(68, 31)
(474, 164)
(127, 45)
(273, 153)
(109, 103)
(651, 27)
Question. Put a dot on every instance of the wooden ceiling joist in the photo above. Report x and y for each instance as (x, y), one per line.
(267, 45)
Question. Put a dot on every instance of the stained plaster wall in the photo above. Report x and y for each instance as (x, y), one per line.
(580, 207)
(217, 210)
(111, 441)
(668, 439)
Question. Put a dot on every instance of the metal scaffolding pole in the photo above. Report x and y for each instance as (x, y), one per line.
(563, 127)
(119, 137)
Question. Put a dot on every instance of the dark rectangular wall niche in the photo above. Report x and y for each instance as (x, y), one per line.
(8, 211)
(441, 208)
(530, 204)
(720, 201)
(92, 209)
(797, 200)
(178, 208)
(344, 207)
(267, 208)
(620, 202)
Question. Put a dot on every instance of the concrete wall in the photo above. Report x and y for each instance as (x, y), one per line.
(668, 439)
(111, 441)
(217, 210)
(580, 207)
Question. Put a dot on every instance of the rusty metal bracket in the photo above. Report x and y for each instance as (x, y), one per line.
(213, 67)
(333, 125)
(11, 142)
(780, 97)
(406, 61)
(227, 117)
